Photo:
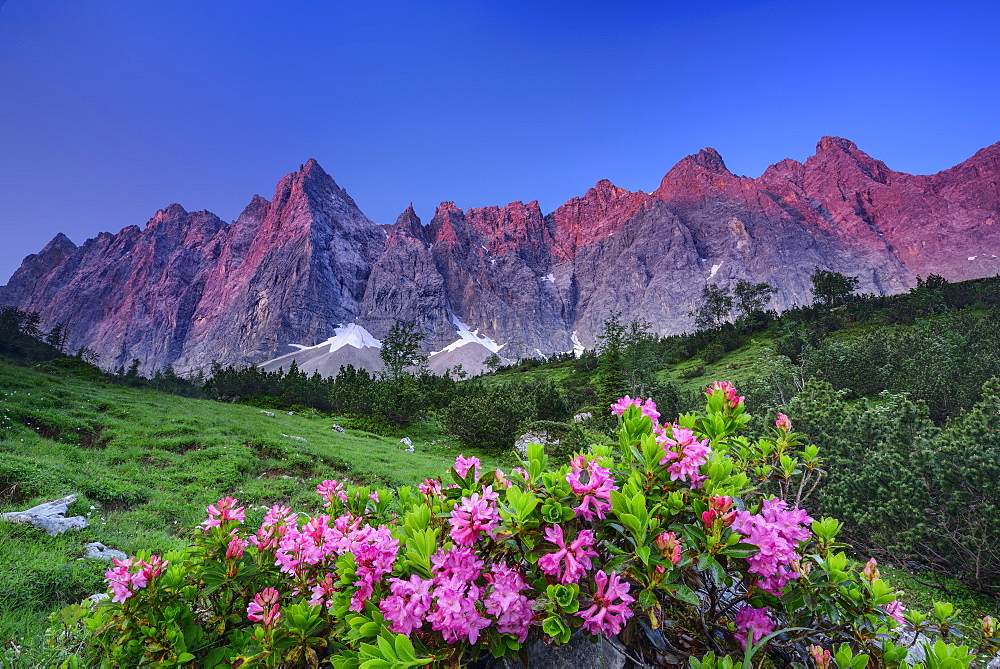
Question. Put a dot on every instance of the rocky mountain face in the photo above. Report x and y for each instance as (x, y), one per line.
(189, 288)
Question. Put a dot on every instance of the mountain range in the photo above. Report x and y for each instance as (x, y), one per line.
(306, 274)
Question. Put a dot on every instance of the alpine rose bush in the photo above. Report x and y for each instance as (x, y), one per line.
(664, 539)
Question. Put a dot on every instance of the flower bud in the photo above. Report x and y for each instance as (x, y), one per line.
(783, 423)
(870, 572)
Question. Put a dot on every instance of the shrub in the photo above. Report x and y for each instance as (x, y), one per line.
(664, 536)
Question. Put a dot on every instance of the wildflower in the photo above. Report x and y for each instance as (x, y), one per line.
(728, 390)
(670, 546)
(461, 562)
(783, 423)
(473, 516)
(777, 532)
(623, 404)
(331, 489)
(431, 488)
(513, 611)
(871, 572)
(454, 613)
(596, 493)
(895, 609)
(821, 657)
(752, 625)
(235, 549)
(576, 556)
(124, 582)
(988, 625)
(264, 608)
(605, 615)
(719, 508)
(405, 608)
(689, 454)
(463, 465)
(222, 511)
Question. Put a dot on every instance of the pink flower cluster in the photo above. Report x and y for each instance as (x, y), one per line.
(648, 408)
(124, 582)
(596, 492)
(264, 608)
(783, 423)
(606, 615)
(573, 560)
(685, 454)
(463, 465)
(330, 490)
(670, 545)
(319, 543)
(777, 532)
(431, 488)
(448, 600)
(752, 625)
(222, 511)
(473, 516)
(725, 387)
(277, 521)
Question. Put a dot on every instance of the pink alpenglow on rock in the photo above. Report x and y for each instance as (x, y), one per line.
(573, 560)
(609, 611)
(752, 625)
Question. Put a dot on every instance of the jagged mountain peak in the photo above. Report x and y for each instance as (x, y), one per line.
(189, 289)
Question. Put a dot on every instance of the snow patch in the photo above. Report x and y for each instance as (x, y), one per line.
(973, 257)
(549, 277)
(466, 336)
(715, 268)
(578, 347)
(351, 334)
(298, 346)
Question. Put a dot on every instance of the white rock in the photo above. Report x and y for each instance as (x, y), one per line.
(98, 551)
(49, 516)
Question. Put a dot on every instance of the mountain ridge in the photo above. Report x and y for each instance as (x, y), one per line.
(189, 288)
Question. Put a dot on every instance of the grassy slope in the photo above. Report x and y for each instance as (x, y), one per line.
(146, 464)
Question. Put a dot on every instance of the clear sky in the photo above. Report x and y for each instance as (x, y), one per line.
(110, 110)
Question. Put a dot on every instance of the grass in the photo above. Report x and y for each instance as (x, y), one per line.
(146, 464)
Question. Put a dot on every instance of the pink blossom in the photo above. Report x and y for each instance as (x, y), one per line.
(623, 404)
(606, 615)
(821, 657)
(454, 613)
(728, 390)
(461, 562)
(522, 472)
(689, 454)
(463, 465)
(752, 625)
(572, 560)
(473, 516)
(124, 583)
(374, 497)
(783, 423)
(895, 609)
(222, 511)
(871, 572)
(670, 546)
(235, 549)
(330, 490)
(274, 527)
(323, 591)
(264, 608)
(431, 488)
(512, 610)
(777, 532)
(596, 492)
(409, 602)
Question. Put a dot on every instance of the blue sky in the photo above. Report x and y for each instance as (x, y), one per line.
(111, 110)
